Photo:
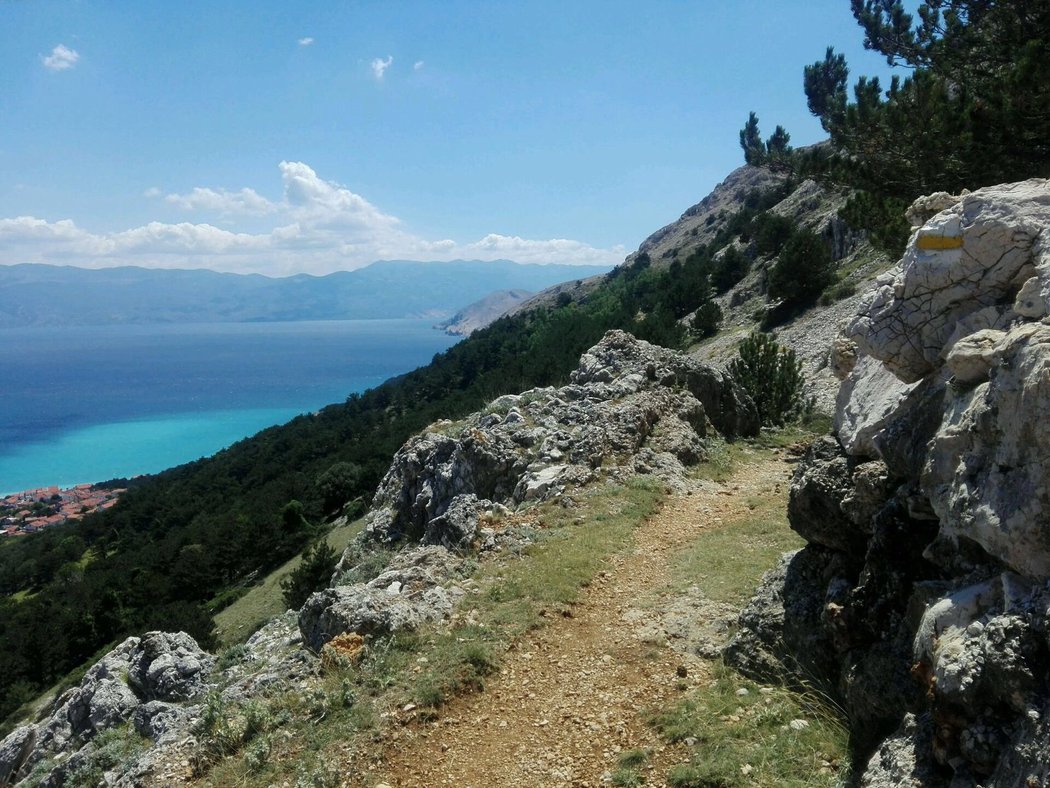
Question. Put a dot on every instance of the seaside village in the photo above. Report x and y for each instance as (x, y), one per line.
(33, 510)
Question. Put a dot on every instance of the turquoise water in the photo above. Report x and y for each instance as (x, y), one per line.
(130, 448)
(91, 404)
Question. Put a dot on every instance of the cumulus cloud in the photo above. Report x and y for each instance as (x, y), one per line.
(61, 58)
(417, 65)
(246, 202)
(380, 65)
(319, 226)
(305, 41)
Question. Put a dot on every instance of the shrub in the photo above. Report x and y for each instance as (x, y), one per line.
(316, 568)
(708, 319)
(771, 375)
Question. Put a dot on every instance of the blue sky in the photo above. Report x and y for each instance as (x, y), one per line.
(281, 138)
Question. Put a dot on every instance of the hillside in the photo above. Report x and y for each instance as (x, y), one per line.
(479, 314)
(64, 295)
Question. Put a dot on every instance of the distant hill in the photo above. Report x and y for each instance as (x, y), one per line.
(32, 294)
(479, 314)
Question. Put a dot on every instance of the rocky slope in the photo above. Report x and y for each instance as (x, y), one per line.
(921, 600)
(479, 314)
(630, 408)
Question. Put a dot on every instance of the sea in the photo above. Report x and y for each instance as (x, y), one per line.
(88, 404)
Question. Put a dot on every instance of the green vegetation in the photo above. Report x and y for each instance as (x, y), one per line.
(803, 270)
(185, 544)
(263, 601)
(312, 573)
(749, 735)
(772, 375)
(740, 733)
(628, 769)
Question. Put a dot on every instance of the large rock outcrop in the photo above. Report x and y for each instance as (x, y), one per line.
(141, 682)
(628, 402)
(928, 515)
(630, 407)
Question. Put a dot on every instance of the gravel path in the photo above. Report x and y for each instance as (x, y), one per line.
(568, 699)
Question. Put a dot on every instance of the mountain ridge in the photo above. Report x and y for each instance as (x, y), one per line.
(36, 294)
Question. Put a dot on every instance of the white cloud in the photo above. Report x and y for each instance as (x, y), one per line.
(305, 41)
(319, 226)
(61, 58)
(152, 191)
(380, 65)
(522, 250)
(246, 202)
(417, 65)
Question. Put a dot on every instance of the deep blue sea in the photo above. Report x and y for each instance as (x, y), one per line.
(86, 404)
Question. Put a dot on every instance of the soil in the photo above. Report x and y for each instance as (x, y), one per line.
(571, 697)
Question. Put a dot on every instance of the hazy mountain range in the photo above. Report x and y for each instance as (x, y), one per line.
(32, 294)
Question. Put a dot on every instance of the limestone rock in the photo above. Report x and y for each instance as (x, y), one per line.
(822, 483)
(929, 513)
(126, 685)
(168, 666)
(869, 399)
(625, 397)
(975, 255)
(905, 760)
(780, 637)
(408, 593)
(987, 472)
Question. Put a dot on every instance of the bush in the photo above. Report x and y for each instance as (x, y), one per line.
(708, 319)
(772, 376)
(314, 571)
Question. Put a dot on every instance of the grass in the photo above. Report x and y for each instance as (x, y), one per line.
(236, 622)
(753, 738)
(743, 734)
(726, 563)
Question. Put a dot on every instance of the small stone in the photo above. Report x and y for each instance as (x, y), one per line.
(798, 725)
(742, 692)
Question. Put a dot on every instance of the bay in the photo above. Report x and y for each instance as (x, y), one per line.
(87, 404)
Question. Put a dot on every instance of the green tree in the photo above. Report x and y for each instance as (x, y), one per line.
(338, 484)
(773, 153)
(771, 375)
(708, 319)
(974, 110)
(802, 271)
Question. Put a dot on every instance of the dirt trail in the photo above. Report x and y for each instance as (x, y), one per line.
(567, 701)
